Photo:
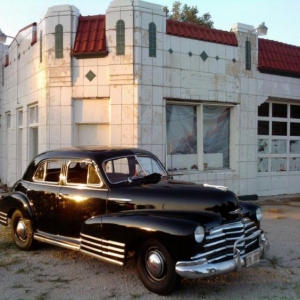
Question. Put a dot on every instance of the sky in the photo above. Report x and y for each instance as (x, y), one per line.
(280, 16)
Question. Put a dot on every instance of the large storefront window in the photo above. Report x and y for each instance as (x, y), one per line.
(198, 137)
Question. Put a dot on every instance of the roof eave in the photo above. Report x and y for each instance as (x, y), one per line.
(98, 54)
(279, 73)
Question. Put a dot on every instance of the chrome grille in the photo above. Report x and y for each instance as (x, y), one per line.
(220, 241)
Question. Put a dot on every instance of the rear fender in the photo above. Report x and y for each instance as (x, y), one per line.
(13, 201)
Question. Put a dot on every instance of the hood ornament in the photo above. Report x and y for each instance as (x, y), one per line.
(238, 211)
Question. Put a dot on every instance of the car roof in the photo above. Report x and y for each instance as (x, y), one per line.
(92, 152)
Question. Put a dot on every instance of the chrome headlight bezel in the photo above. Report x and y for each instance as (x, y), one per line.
(258, 214)
(199, 234)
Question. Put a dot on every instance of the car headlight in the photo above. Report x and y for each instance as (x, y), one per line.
(259, 214)
(199, 234)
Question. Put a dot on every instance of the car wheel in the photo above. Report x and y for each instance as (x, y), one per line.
(21, 231)
(156, 268)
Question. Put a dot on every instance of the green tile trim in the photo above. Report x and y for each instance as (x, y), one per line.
(248, 55)
(90, 75)
(204, 56)
(152, 40)
(59, 42)
(120, 32)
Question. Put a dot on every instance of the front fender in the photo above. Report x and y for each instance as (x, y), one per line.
(12, 201)
(132, 228)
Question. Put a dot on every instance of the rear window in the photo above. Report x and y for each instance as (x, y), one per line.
(48, 171)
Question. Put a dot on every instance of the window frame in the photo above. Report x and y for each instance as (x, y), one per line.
(267, 155)
(200, 149)
(88, 165)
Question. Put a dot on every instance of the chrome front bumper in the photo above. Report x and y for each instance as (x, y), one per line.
(201, 268)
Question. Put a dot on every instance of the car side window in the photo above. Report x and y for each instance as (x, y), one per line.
(120, 169)
(48, 171)
(82, 173)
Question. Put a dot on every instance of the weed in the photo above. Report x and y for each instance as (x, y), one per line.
(135, 296)
(59, 280)
(274, 261)
(21, 271)
(42, 296)
(17, 286)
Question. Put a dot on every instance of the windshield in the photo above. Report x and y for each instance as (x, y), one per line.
(131, 167)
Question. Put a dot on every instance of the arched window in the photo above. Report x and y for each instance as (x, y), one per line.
(120, 37)
(59, 41)
(152, 40)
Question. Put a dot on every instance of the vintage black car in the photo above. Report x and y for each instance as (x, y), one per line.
(112, 203)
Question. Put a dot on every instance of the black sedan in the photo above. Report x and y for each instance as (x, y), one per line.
(112, 203)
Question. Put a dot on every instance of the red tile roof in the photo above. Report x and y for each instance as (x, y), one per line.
(90, 39)
(278, 58)
(202, 33)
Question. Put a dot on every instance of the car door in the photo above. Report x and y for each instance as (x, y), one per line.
(43, 194)
(83, 196)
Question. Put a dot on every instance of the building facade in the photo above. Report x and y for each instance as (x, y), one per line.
(216, 107)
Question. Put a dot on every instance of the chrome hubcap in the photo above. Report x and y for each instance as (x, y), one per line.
(155, 264)
(21, 230)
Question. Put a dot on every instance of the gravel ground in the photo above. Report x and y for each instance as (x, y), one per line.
(54, 273)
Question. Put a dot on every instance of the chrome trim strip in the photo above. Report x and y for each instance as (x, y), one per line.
(3, 219)
(103, 246)
(102, 257)
(102, 240)
(120, 199)
(100, 251)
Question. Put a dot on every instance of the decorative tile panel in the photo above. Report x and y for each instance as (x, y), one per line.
(90, 75)
(204, 56)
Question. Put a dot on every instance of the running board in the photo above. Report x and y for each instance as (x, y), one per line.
(68, 243)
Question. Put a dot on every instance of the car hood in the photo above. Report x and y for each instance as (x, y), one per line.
(171, 195)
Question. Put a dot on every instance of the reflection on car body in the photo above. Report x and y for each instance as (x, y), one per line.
(109, 203)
